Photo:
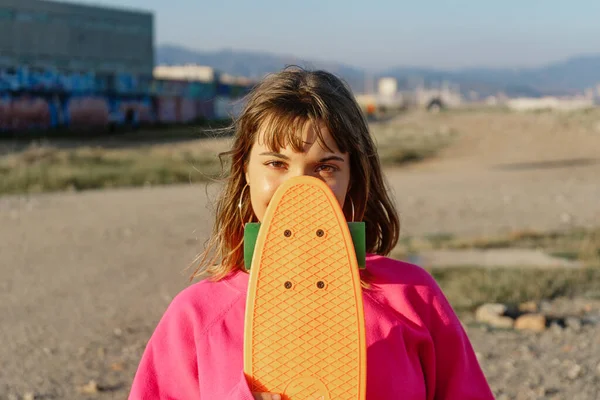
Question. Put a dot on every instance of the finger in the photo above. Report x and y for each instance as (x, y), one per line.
(266, 396)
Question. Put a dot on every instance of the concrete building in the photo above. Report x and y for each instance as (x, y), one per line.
(76, 38)
(198, 73)
(387, 87)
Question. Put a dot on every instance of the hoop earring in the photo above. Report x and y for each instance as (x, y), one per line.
(352, 204)
(240, 204)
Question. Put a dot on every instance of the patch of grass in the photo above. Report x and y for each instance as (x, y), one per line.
(199, 128)
(480, 109)
(567, 255)
(438, 240)
(469, 287)
(481, 244)
(412, 245)
(46, 169)
(404, 156)
(575, 245)
(401, 142)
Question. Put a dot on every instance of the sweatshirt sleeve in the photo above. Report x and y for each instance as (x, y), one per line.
(458, 375)
(241, 391)
(168, 369)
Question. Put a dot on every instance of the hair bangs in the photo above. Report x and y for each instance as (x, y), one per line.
(283, 129)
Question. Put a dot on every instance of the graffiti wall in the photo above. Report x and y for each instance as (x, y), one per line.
(51, 80)
(27, 111)
(226, 107)
(24, 79)
(85, 111)
(184, 101)
(173, 110)
(44, 99)
(24, 111)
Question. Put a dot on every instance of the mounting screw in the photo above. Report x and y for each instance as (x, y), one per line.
(320, 284)
(287, 233)
(288, 285)
(320, 233)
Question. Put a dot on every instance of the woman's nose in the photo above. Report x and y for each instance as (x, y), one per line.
(303, 172)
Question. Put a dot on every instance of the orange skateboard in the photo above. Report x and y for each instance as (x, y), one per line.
(304, 333)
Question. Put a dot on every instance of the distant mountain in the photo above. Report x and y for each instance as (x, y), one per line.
(252, 64)
(566, 77)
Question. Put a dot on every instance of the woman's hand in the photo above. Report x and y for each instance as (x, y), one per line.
(266, 396)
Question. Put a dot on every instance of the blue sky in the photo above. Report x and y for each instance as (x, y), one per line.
(379, 34)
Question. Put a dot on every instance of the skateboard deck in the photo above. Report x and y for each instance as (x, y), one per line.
(304, 334)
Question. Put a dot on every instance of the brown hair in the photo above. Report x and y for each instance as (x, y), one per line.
(280, 105)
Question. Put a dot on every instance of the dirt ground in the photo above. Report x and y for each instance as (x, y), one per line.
(84, 277)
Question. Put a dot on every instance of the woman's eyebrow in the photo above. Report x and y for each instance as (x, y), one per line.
(273, 154)
(331, 158)
(279, 155)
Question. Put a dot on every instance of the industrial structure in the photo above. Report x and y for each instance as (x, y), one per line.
(389, 100)
(79, 66)
(46, 35)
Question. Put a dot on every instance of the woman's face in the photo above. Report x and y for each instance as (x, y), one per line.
(267, 170)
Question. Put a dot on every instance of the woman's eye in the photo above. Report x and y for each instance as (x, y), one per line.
(276, 164)
(327, 168)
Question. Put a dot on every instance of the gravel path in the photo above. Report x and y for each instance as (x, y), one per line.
(481, 201)
(84, 277)
(559, 363)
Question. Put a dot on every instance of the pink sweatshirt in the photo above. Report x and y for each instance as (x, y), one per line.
(417, 348)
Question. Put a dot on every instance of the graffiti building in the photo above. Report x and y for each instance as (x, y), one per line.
(78, 66)
(73, 65)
